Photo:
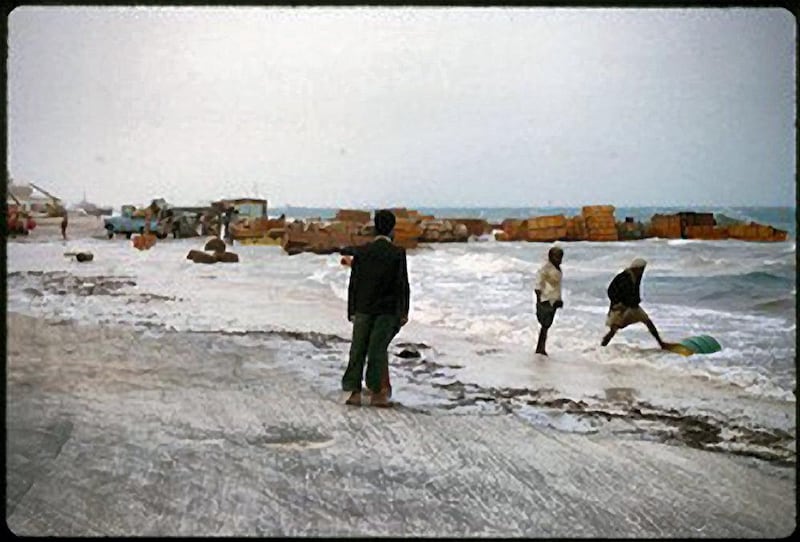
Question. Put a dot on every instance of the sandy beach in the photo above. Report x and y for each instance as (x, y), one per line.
(48, 229)
(114, 433)
(155, 388)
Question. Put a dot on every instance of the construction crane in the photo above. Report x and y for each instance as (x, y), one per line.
(55, 208)
(15, 199)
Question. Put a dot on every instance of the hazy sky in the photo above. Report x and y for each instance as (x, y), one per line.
(367, 106)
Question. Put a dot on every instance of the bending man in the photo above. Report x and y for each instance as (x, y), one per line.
(624, 310)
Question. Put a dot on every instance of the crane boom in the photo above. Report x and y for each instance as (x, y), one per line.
(45, 192)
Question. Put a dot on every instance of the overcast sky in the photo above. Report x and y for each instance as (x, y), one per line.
(366, 106)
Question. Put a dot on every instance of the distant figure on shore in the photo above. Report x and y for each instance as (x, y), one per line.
(548, 295)
(377, 305)
(227, 220)
(64, 223)
(624, 294)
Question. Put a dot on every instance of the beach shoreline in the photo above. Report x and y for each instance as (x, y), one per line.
(113, 432)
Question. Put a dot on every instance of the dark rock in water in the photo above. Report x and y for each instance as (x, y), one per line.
(217, 245)
(408, 353)
(227, 257)
(413, 345)
(84, 256)
(198, 256)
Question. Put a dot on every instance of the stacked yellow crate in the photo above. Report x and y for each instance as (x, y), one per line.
(600, 223)
(512, 228)
(576, 228)
(665, 226)
(545, 228)
(756, 232)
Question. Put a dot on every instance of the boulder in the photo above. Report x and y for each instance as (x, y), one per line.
(216, 245)
(409, 352)
(198, 256)
(227, 257)
(84, 257)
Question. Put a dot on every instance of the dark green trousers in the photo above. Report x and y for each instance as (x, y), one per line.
(372, 334)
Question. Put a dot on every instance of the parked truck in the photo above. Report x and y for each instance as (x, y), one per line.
(127, 224)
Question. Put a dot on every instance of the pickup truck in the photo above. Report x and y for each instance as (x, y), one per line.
(128, 224)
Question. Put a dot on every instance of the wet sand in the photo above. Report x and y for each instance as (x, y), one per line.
(112, 432)
(78, 227)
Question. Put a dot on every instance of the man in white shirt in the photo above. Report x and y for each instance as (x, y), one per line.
(548, 294)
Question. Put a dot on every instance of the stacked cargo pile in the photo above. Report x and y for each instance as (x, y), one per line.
(512, 230)
(400, 212)
(576, 228)
(407, 232)
(545, 228)
(600, 223)
(708, 233)
(665, 226)
(442, 231)
(475, 226)
(630, 230)
(313, 237)
(756, 232)
(352, 215)
(701, 226)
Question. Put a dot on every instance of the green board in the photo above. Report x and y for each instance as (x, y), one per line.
(700, 344)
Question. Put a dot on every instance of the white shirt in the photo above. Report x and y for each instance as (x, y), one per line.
(548, 281)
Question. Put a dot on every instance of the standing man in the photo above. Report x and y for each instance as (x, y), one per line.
(548, 294)
(228, 218)
(624, 310)
(377, 305)
(64, 222)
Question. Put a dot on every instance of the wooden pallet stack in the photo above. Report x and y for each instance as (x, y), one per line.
(665, 226)
(407, 232)
(756, 232)
(353, 215)
(706, 232)
(545, 228)
(600, 223)
(576, 228)
(512, 228)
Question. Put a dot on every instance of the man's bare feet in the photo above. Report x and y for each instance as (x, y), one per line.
(354, 399)
(380, 399)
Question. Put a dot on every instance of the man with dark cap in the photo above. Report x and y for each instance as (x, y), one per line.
(548, 294)
(624, 310)
(377, 305)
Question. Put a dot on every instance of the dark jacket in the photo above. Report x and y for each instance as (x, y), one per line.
(378, 279)
(625, 289)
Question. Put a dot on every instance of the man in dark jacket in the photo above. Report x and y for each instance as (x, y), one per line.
(623, 292)
(377, 305)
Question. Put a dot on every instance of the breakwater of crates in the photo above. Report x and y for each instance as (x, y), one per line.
(595, 223)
